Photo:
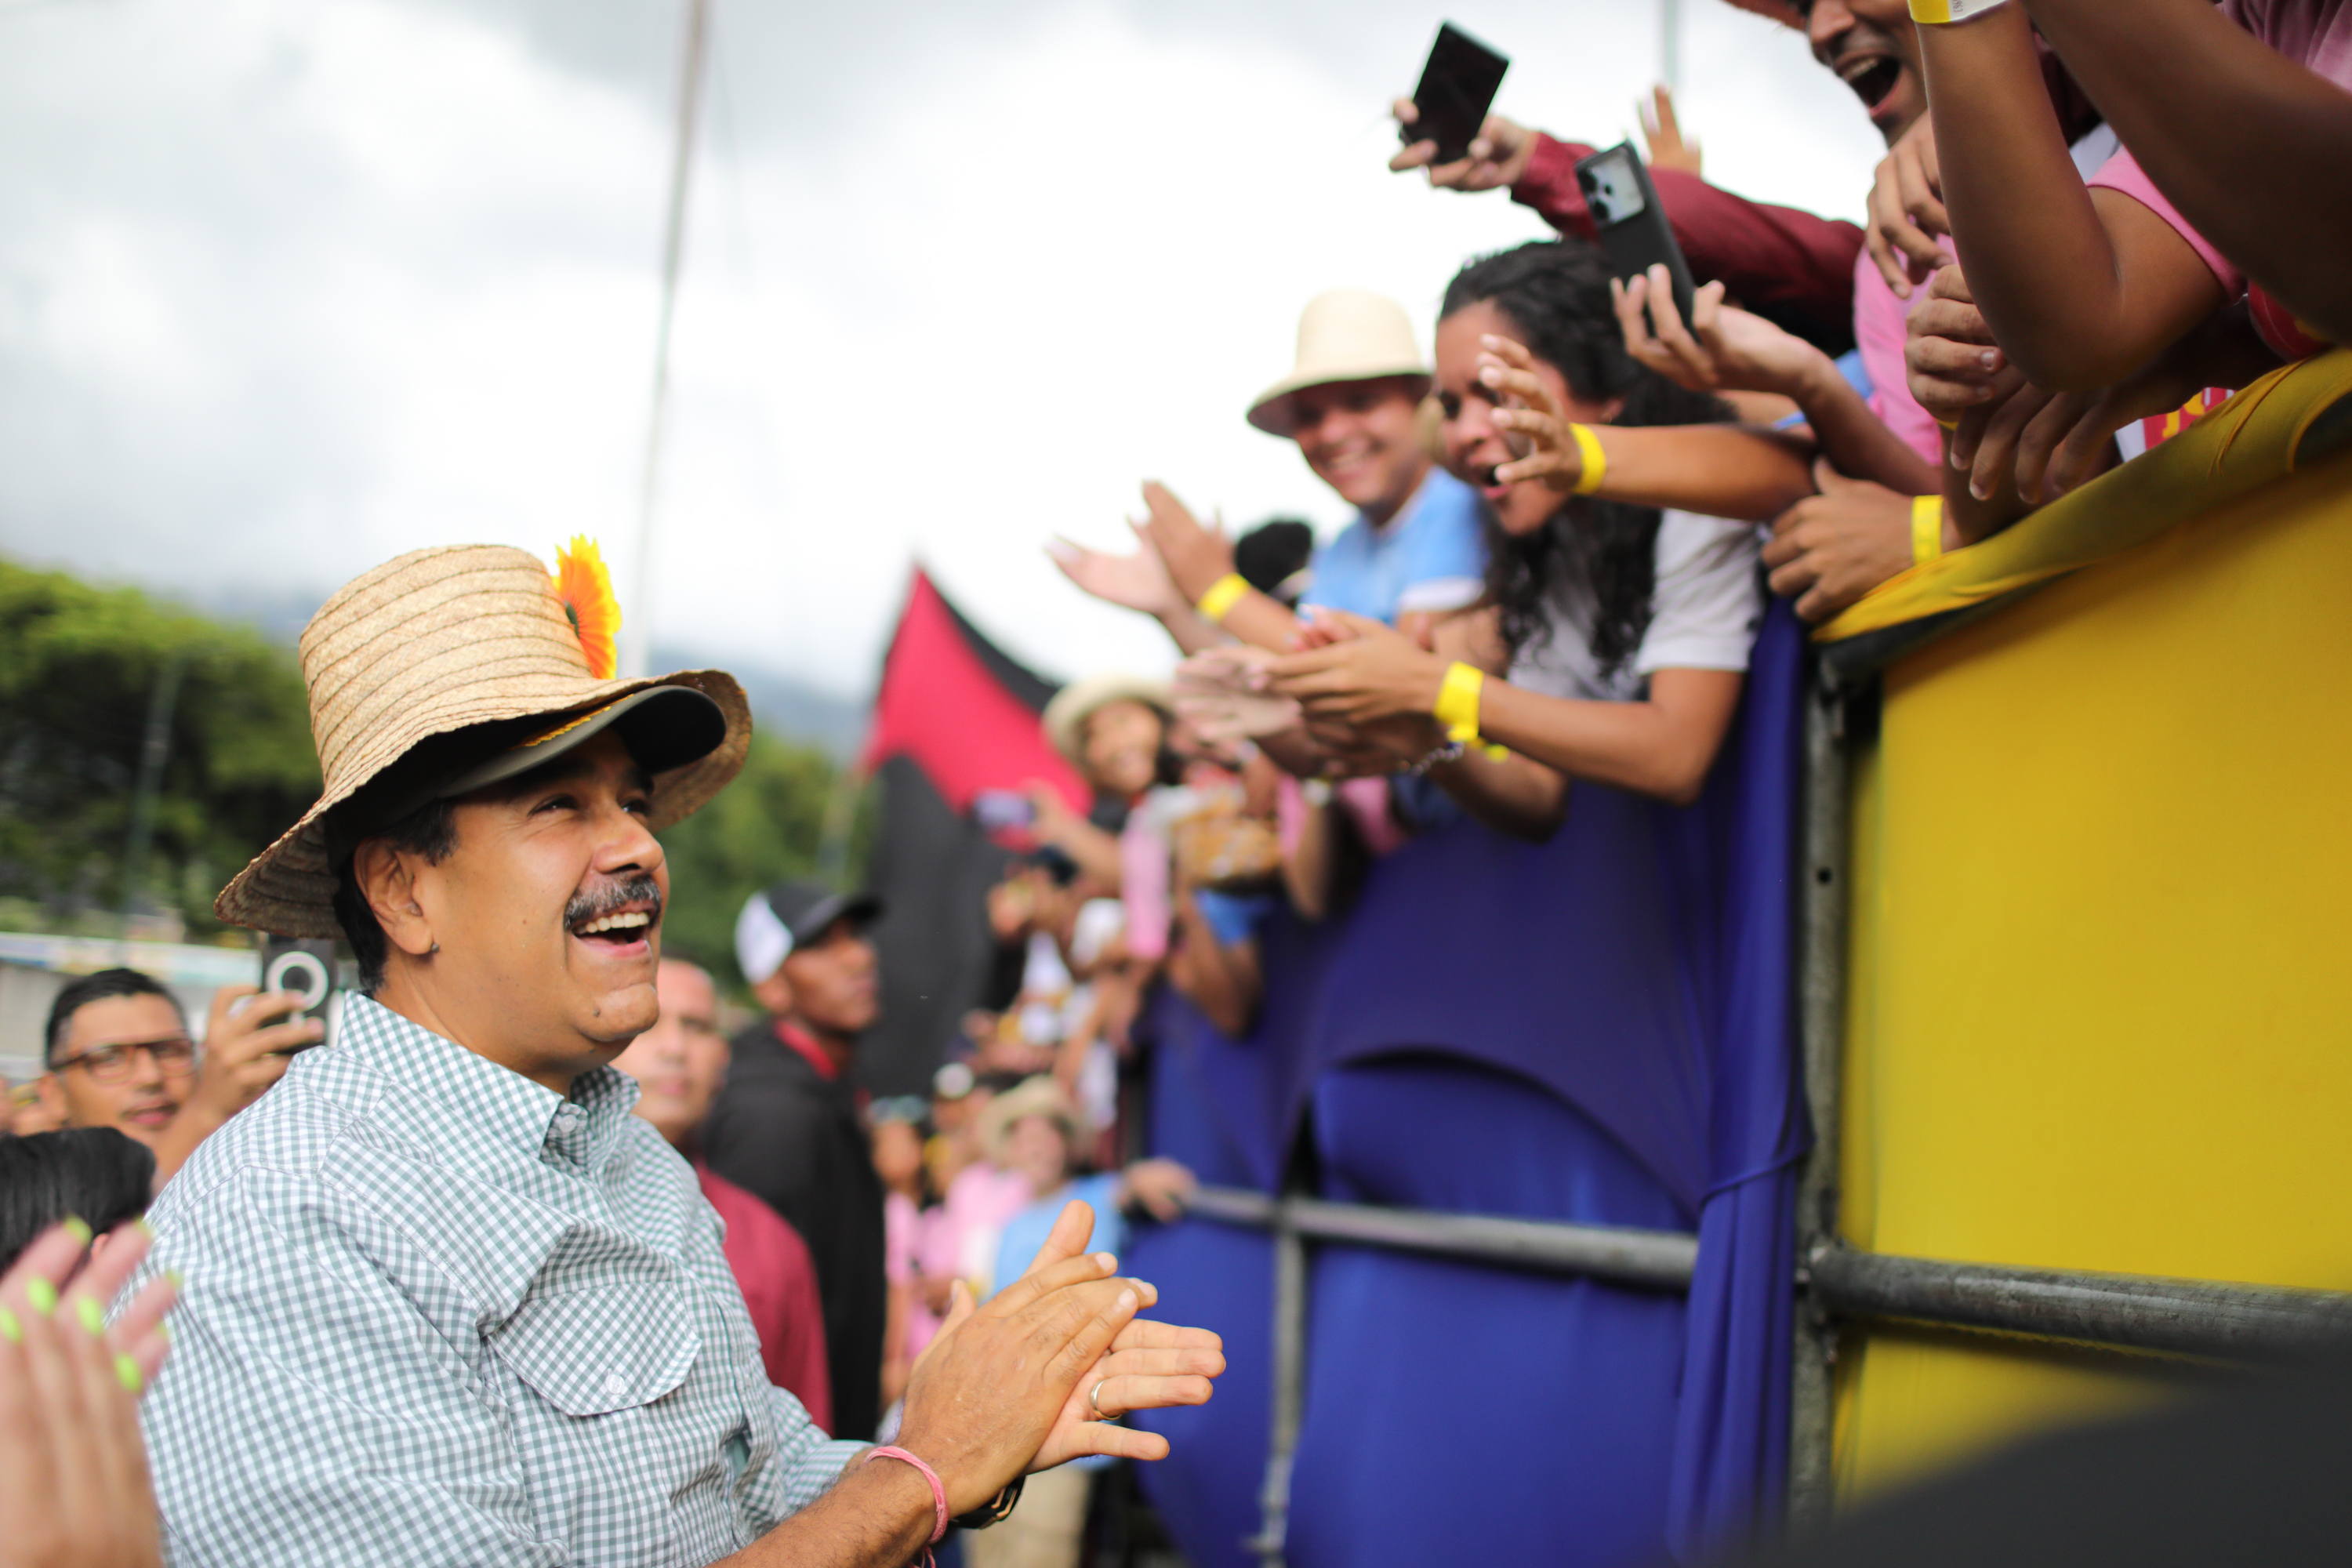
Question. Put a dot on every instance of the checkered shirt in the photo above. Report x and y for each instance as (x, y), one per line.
(433, 1312)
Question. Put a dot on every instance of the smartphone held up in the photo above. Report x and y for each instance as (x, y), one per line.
(1457, 87)
(1630, 222)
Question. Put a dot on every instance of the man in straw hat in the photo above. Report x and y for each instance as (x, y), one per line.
(444, 1298)
(1353, 402)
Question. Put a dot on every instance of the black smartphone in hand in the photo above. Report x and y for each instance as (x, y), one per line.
(304, 968)
(1457, 87)
(1630, 225)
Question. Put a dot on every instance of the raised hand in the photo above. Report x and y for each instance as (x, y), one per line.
(1221, 692)
(1909, 232)
(1136, 582)
(73, 1472)
(1196, 556)
(1499, 154)
(1663, 137)
(1528, 412)
(1724, 349)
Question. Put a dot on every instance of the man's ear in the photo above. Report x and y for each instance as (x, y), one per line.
(53, 1096)
(388, 880)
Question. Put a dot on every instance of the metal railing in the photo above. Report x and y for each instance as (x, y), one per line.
(1649, 1259)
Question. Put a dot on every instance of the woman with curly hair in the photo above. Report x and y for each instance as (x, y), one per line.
(1621, 597)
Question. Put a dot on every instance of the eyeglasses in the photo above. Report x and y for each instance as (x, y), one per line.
(175, 1057)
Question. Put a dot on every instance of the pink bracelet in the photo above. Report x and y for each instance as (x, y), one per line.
(939, 1492)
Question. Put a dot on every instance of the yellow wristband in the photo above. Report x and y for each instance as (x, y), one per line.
(1926, 527)
(1223, 596)
(1596, 461)
(1457, 702)
(1937, 13)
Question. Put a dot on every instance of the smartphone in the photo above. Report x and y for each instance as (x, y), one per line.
(1457, 87)
(303, 968)
(1633, 226)
(998, 809)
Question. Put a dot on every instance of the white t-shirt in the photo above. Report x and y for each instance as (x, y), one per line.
(1704, 614)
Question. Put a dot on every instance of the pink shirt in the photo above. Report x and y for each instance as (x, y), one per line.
(2314, 33)
(1879, 314)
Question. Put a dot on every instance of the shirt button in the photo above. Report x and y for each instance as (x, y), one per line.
(615, 1385)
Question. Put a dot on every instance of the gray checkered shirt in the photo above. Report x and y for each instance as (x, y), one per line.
(432, 1312)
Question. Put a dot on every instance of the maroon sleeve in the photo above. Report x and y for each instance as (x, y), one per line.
(773, 1269)
(1789, 266)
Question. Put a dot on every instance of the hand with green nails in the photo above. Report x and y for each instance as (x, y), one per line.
(73, 1473)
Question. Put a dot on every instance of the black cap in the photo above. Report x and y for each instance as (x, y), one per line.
(808, 908)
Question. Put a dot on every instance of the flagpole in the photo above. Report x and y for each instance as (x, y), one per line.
(637, 629)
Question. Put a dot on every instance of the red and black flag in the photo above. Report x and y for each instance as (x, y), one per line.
(956, 716)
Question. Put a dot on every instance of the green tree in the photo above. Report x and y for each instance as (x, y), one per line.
(763, 827)
(78, 668)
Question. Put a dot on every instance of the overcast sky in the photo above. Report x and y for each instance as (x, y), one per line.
(289, 286)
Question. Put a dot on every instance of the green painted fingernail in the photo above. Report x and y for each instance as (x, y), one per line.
(144, 1228)
(10, 1329)
(176, 1276)
(164, 1330)
(78, 1228)
(42, 1295)
(92, 1315)
(126, 1372)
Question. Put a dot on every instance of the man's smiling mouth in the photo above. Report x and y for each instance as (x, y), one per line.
(1873, 77)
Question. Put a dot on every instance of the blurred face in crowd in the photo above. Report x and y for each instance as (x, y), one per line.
(1035, 1151)
(125, 1063)
(680, 1062)
(535, 941)
(1121, 747)
(836, 983)
(1873, 47)
(898, 1155)
(1474, 445)
(1359, 437)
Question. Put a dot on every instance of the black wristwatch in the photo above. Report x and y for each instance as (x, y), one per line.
(995, 1511)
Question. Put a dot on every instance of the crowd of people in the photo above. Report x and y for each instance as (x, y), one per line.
(539, 1261)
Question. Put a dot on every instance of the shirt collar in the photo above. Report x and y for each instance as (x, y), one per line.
(801, 1040)
(475, 1111)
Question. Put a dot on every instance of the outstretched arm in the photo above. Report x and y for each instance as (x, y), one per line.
(2081, 286)
(2170, 74)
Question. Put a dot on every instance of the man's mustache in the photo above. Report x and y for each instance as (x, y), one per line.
(592, 904)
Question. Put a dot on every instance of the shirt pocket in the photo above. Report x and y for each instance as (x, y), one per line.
(597, 1349)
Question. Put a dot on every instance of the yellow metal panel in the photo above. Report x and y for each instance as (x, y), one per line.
(2100, 1013)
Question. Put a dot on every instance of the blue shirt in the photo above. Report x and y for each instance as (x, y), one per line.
(1024, 1239)
(1431, 557)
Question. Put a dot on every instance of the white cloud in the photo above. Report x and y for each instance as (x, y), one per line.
(292, 285)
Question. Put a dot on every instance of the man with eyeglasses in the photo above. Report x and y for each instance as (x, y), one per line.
(118, 1055)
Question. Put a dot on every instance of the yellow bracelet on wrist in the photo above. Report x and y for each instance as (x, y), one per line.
(1223, 596)
(1939, 13)
(1926, 527)
(1596, 461)
(1457, 702)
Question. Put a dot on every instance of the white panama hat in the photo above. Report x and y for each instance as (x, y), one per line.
(1344, 335)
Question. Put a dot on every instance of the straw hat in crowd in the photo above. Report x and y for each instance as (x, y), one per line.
(1039, 1096)
(1066, 714)
(451, 668)
(1346, 334)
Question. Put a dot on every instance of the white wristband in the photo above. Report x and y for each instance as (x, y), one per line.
(1938, 12)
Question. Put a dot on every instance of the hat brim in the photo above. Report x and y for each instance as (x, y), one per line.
(1066, 716)
(290, 888)
(1275, 412)
(860, 908)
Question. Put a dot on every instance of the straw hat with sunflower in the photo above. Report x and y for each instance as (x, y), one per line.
(450, 669)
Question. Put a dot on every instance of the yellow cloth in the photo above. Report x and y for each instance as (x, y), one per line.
(2247, 442)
